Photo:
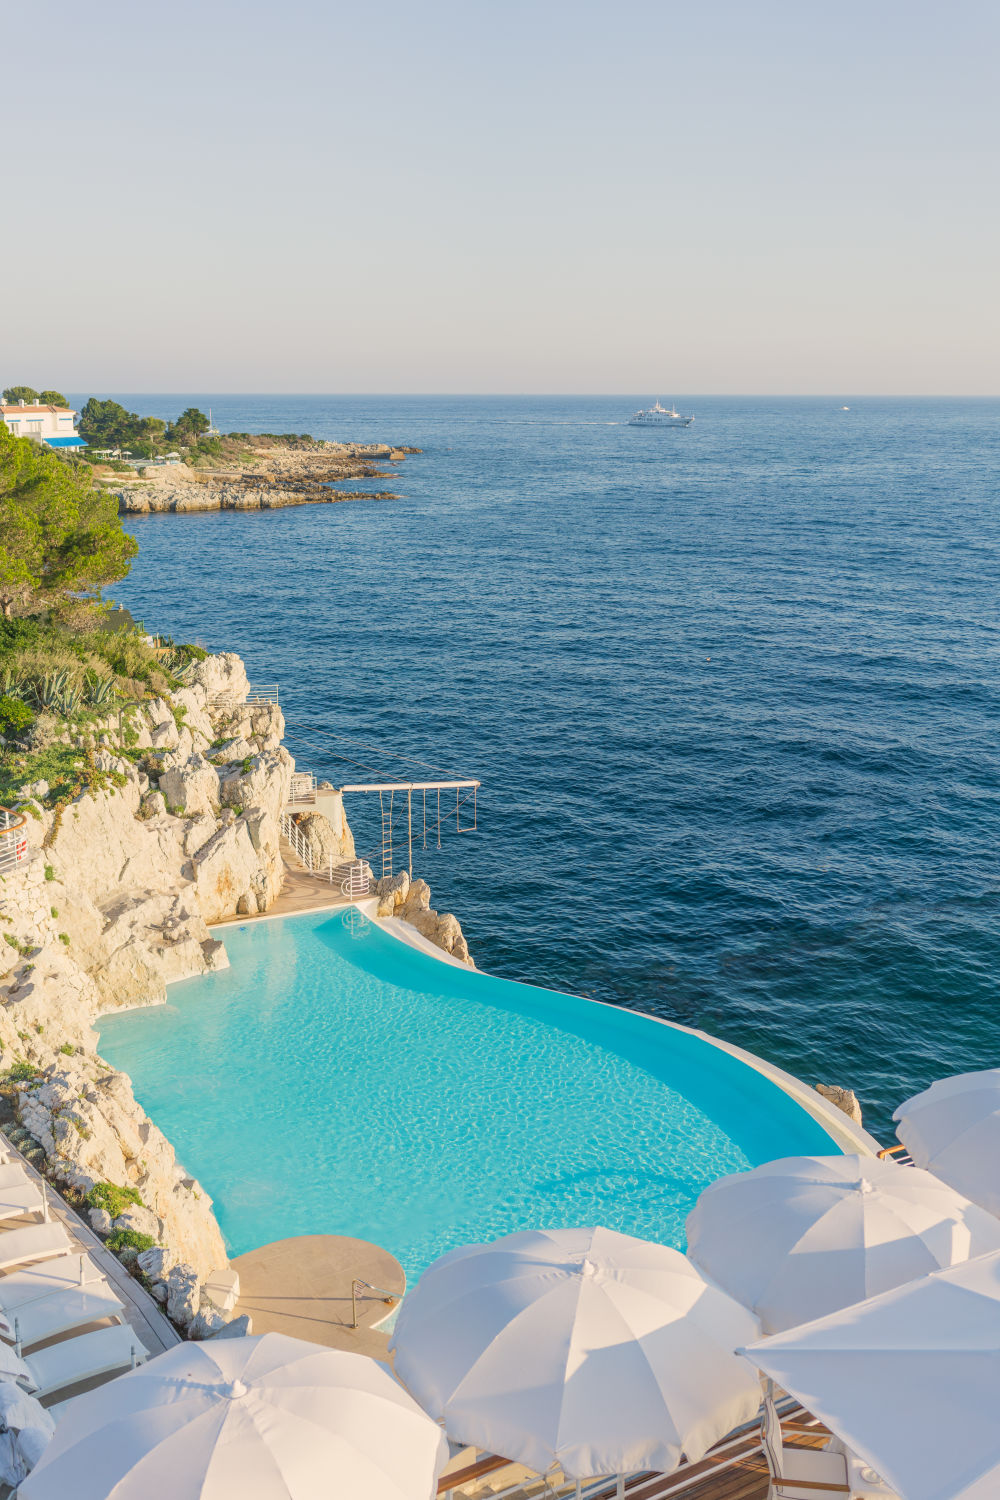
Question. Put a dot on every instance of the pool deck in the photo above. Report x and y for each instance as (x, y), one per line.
(141, 1312)
(300, 891)
(302, 1286)
(736, 1470)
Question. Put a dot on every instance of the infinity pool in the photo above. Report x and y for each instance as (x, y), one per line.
(335, 1080)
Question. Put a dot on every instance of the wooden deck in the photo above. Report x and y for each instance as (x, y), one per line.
(734, 1470)
(142, 1312)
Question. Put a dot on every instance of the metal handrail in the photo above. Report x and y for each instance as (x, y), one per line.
(13, 838)
(356, 883)
(302, 787)
(389, 1298)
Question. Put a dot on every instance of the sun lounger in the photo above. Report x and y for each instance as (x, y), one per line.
(35, 1242)
(57, 1275)
(62, 1312)
(12, 1174)
(82, 1358)
(26, 1199)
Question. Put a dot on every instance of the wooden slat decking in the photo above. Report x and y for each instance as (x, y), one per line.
(738, 1473)
(141, 1310)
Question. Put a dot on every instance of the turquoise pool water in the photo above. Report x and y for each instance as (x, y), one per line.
(335, 1080)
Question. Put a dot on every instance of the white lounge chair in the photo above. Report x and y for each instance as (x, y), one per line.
(35, 1242)
(799, 1473)
(83, 1358)
(12, 1173)
(56, 1275)
(22, 1199)
(62, 1312)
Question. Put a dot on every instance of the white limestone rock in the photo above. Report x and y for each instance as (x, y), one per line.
(264, 784)
(229, 874)
(844, 1099)
(325, 843)
(100, 1221)
(417, 898)
(222, 674)
(232, 752)
(236, 1328)
(193, 787)
(182, 1294)
(157, 1263)
(141, 1220)
(207, 1321)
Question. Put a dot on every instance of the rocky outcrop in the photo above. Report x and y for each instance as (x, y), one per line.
(275, 478)
(179, 827)
(411, 901)
(326, 843)
(85, 1116)
(844, 1099)
(136, 501)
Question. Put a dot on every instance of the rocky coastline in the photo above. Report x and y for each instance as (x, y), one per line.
(271, 479)
(178, 829)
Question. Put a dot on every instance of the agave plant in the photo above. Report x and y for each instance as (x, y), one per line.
(102, 692)
(12, 684)
(69, 700)
(49, 690)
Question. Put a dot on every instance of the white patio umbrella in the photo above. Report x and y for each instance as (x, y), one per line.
(267, 1418)
(800, 1237)
(582, 1347)
(909, 1380)
(953, 1129)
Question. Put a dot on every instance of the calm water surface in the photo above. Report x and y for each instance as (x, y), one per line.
(731, 692)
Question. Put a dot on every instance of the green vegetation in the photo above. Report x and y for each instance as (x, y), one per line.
(112, 1198)
(27, 393)
(67, 1049)
(106, 424)
(129, 1239)
(67, 675)
(15, 716)
(60, 534)
(22, 1071)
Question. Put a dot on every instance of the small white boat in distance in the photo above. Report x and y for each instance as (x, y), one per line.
(659, 416)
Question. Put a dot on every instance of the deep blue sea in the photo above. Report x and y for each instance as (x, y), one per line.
(731, 691)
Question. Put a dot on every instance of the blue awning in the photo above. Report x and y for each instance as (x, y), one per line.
(65, 442)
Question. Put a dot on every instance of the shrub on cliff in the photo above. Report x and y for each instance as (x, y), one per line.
(60, 534)
(15, 716)
(112, 1198)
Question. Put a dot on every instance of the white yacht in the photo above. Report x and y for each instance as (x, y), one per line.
(660, 416)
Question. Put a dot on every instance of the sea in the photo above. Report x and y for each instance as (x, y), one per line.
(731, 692)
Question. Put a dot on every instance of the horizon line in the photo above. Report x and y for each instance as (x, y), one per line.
(605, 395)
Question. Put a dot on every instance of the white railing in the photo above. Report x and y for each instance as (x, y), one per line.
(13, 839)
(233, 698)
(302, 787)
(300, 844)
(354, 877)
(358, 881)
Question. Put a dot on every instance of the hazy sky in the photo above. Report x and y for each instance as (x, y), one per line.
(701, 197)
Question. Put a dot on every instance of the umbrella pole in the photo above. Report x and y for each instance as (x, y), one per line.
(620, 1488)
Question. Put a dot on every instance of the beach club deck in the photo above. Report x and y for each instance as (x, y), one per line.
(733, 1470)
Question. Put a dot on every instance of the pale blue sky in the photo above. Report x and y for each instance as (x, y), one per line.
(704, 197)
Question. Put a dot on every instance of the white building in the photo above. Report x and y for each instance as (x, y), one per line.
(53, 425)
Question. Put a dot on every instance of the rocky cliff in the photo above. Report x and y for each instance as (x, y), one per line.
(178, 828)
